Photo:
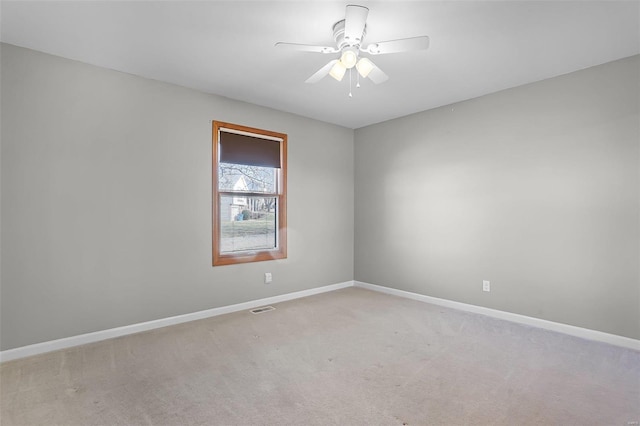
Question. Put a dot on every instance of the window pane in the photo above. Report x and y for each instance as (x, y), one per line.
(247, 223)
(237, 177)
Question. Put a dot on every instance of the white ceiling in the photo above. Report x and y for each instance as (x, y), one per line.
(226, 47)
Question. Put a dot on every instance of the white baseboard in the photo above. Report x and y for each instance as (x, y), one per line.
(96, 336)
(571, 330)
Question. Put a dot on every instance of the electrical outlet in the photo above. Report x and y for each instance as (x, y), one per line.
(486, 285)
(267, 277)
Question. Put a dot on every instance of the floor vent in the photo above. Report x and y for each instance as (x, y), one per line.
(261, 310)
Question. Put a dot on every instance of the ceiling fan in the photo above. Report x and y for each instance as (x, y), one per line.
(349, 35)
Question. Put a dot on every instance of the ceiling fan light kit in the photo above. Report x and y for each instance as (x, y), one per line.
(364, 67)
(349, 57)
(337, 70)
(349, 34)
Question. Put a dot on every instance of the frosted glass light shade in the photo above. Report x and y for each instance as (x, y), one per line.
(364, 67)
(349, 58)
(338, 70)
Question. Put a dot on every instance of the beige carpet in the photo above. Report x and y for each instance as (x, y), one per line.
(350, 357)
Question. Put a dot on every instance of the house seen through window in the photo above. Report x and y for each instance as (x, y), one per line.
(249, 197)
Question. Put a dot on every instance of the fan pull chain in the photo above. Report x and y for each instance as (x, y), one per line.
(350, 79)
(357, 80)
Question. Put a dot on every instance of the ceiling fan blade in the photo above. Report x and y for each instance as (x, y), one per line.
(321, 73)
(354, 23)
(377, 75)
(397, 46)
(306, 47)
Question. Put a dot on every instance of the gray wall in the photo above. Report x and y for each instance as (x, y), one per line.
(535, 188)
(106, 201)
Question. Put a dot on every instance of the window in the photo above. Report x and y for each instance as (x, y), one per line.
(249, 194)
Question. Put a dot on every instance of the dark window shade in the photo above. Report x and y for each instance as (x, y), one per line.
(249, 150)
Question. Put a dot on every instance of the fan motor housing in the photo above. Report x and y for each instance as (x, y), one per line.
(338, 35)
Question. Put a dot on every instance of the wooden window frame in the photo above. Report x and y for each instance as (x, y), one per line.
(280, 252)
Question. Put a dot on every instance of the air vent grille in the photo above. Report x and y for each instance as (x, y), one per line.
(262, 310)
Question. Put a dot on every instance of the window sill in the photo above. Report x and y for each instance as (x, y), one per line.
(248, 257)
